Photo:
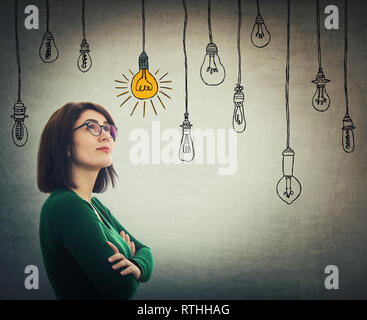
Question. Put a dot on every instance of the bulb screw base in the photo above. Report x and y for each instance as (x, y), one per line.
(186, 123)
(347, 123)
(238, 96)
(288, 162)
(211, 49)
(84, 46)
(143, 61)
(320, 78)
(19, 111)
(259, 19)
(288, 152)
(47, 36)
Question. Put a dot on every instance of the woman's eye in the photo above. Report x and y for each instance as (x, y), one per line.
(93, 127)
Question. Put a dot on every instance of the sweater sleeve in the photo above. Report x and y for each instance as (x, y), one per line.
(143, 255)
(83, 236)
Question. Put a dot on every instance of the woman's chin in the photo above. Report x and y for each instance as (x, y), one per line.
(106, 160)
(104, 164)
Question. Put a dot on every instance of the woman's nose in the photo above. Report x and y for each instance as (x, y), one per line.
(105, 135)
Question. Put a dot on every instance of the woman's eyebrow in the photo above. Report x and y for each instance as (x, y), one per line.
(94, 120)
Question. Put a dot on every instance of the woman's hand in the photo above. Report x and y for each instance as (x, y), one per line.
(123, 262)
(131, 244)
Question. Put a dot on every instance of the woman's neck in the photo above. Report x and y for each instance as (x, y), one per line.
(84, 179)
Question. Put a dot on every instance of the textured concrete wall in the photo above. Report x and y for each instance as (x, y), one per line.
(212, 236)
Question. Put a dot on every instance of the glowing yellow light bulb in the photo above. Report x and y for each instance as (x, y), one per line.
(144, 85)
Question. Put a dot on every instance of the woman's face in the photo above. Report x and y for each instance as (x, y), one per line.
(86, 145)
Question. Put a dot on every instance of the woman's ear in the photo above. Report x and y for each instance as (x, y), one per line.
(68, 152)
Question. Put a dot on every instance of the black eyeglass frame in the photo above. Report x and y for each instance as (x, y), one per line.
(101, 127)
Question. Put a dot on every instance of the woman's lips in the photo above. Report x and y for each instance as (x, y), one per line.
(104, 150)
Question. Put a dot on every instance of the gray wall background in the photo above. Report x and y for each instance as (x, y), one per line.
(212, 236)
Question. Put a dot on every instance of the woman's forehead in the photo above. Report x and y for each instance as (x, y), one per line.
(92, 114)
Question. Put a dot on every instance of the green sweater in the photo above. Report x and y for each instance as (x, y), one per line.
(74, 250)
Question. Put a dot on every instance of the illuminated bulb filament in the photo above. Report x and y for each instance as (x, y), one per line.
(144, 85)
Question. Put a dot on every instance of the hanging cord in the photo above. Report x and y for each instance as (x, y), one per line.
(258, 7)
(47, 15)
(318, 32)
(17, 49)
(346, 54)
(83, 18)
(209, 23)
(239, 42)
(184, 49)
(287, 75)
(143, 22)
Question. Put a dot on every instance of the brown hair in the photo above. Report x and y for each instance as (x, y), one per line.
(53, 164)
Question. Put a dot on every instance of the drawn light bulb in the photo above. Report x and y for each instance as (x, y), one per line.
(48, 51)
(288, 187)
(321, 100)
(186, 152)
(348, 134)
(19, 131)
(84, 60)
(144, 85)
(212, 71)
(260, 36)
(238, 121)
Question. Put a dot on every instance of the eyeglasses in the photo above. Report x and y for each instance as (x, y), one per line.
(96, 129)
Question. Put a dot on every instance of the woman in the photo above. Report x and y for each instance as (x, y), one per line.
(87, 253)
